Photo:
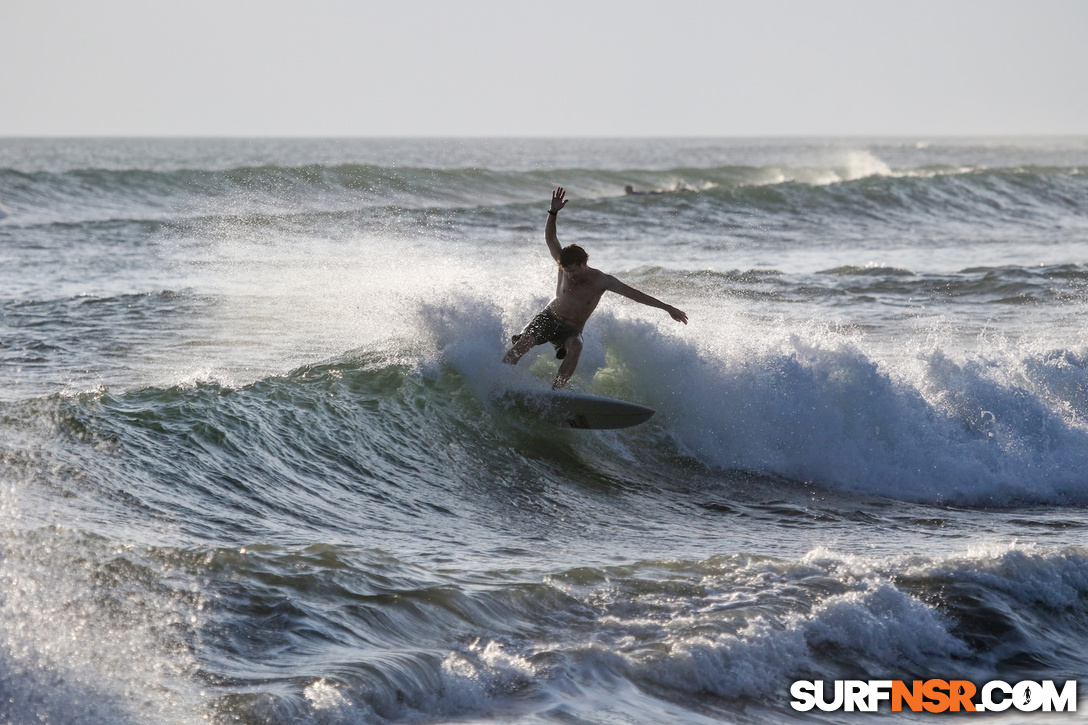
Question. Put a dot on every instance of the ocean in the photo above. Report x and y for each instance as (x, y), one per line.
(256, 467)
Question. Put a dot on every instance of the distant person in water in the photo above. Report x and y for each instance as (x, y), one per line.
(577, 292)
(630, 191)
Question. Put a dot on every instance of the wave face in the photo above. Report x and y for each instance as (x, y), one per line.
(256, 465)
(851, 194)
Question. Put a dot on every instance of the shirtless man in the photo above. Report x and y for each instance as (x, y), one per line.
(577, 292)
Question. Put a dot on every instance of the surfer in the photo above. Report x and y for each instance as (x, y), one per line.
(630, 191)
(577, 291)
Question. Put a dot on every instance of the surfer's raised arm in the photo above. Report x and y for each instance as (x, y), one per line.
(614, 285)
(550, 235)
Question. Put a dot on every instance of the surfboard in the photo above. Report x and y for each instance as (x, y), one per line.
(577, 410)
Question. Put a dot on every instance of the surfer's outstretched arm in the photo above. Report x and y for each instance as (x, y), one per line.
(614, 285)
(550, 235)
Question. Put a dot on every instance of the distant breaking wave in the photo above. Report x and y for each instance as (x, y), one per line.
(1035, 195)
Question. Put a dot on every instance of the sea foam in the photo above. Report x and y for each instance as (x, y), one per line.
(813, 407)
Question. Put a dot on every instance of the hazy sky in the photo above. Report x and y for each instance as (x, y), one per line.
(512, 68)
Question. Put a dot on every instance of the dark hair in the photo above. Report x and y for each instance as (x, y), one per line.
(572, 254)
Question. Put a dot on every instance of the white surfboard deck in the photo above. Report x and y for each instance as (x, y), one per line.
(577, 410)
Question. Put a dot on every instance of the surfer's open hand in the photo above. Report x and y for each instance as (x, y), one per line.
(678, 315)
(558, 200)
